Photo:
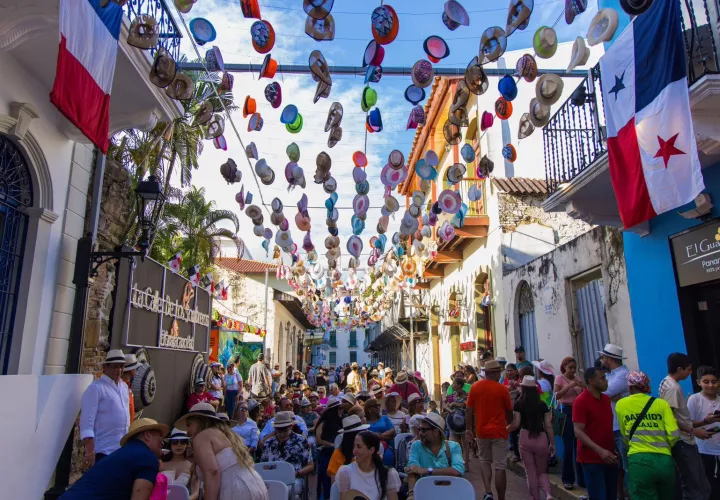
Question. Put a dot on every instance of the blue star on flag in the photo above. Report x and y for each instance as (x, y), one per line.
(619, 85)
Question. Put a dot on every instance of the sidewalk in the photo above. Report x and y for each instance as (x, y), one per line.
(558, 491)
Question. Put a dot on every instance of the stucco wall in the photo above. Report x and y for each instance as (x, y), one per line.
(550, 279)
(342, 351)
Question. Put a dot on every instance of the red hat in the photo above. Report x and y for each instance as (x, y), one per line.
(268, 68)
(250, 9)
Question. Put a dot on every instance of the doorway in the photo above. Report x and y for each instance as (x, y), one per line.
(700, 309)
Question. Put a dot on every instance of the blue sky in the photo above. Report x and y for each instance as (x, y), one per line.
(418, 19)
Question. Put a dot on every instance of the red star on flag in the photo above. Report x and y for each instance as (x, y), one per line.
(668, 149)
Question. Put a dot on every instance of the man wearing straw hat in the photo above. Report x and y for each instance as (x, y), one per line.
(105, 411)
(286, 446)
(128, 472)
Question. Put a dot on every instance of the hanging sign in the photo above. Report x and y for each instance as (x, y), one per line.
(697, 254)
(467, 346)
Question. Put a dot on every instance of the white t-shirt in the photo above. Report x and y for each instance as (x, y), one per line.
(397, 419)
(350, 477)
(700, 407)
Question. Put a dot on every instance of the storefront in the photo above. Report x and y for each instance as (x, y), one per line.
(234, 340)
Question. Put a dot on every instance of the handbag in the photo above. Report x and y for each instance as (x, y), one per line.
(559, 419)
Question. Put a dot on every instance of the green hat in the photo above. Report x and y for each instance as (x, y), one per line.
(293, 152)
(295, 126)
(369, 99)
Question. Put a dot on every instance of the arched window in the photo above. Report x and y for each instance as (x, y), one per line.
(526, 317)
(15, 194)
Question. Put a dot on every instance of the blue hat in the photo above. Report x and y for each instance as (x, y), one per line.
(289, 114)
(508, 88)
(374, 121)
(373, 74)
(202, 30)
(414, 94)
(468, 153)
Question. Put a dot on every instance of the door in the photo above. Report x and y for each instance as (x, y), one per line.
(526, 320)
(594, 334)
(436, 363)
(702, 333)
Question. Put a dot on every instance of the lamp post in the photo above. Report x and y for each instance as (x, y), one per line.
(150, 201)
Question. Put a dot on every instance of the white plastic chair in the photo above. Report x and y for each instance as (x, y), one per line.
(178, 492)
(278, 471)
(277, 490)
(335, 491)
(432, 487)
(396, 445)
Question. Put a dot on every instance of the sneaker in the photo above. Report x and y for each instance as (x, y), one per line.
(488, 496)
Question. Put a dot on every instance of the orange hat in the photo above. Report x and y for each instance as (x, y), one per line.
(509, 153)
(268, 68)
(250, 9)
(359, 159)
(249, 107)
(385, 24)
(503, 108)
(263, 36)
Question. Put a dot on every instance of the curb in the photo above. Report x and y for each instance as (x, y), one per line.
(558, 491)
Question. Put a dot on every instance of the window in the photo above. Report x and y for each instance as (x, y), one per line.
(333, 358)
(526, 313)
(353, 356)
(353, 339)
(333, 339)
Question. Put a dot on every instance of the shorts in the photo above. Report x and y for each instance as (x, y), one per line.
(493, 451)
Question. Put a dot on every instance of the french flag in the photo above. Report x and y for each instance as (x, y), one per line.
(86, 66)
(654, 165)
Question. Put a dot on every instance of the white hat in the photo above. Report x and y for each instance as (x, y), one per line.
(548, 89)
(202, 410)
(352, 424)
(412, 397)
(612, 351)
(348, 398)
(528, 381)
(544, 366)
(434, 419)
(539, 113)
(603, 26)
(131, 363)
(178, 435)
(580, 54)
(114, 356)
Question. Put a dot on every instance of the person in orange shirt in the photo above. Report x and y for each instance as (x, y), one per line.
(131, 366)
(489, 405)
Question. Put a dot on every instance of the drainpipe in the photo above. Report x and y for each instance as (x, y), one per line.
(412, 337)
(266, 308)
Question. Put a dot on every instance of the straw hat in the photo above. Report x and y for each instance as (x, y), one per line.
(492, 44)
(142, 425)
(528, 381)
(544, 366)
(580, 54)
(539, 113)
(114, 356)
(199, 410)
(284, 419)
(602, 27)
(433, 419)
(545, 42)
(131, 363)
(492, 366)
(401, 378)
(548, 89)
(352, 424)
(422, 73)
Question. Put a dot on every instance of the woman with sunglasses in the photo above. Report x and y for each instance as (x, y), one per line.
(246, 427)
(175, 464)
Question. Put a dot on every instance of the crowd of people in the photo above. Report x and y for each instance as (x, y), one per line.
(374, 432)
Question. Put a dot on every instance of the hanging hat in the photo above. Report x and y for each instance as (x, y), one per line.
(374, 54)
(396, 159)
(268, 68)
(418, 198)
(361, 203)
(330, 185)
(273, 94)
(359, 159)
(459, 117)
(425, 171)
(485, 167)
(416, 117)
(262, 168)
(368, 98)
(320, 29)
(182, 88)
(335, 116)
(373, 74)
(454, 15)
(508, 88)
(204, 113)
(251, 151)
(526, 67)
(184, 6)
(263, 36)
(431, 158)
(226, 83)
(492, 44)
(474, 193)
(509, 153)
(436, 48)
(289, 114)
(249, 107)
(391, 177)
(215, 127)
(486, 121)
(354, 246)
(382, 225)
(296, 126)
(359, 175)
(374, 121)
(202, 30)
(576, 7)
(449, 201)
(214, 60)
(539, 113)
(475, 78)
(385, 24)
(250, 9)
(362, 187)
(446, 231)
(335, 136)
(518, 15)
(318, 9)
(580, 54)
(220, 143)
(357, 224)
(462, 94)
(548, 89)
(468, 153)
(503, 108)
(255, 123)
(422, 73)
(144, 32)
(163, 69)
(602, 27)
(545, 42)
(414, 94)
(391, 204)
(452, 133)
(320, 73)
(455, 173)
(526, 127)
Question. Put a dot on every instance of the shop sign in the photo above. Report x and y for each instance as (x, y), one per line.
(697, 254)
(467, 346)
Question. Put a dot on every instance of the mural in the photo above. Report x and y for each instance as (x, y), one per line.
(228, 346)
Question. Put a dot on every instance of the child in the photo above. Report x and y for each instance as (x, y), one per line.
(705, 407)
(432, 406)
(443, 394)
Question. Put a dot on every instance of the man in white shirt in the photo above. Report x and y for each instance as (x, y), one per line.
(259, 378)
(105, 411)
(353, 379)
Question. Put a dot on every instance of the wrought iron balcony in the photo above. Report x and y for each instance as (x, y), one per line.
(170, 34)
(701, 37)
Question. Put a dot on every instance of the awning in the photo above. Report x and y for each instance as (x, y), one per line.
(294, 307)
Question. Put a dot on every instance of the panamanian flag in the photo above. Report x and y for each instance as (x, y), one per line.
(654, 165)
(86, 66)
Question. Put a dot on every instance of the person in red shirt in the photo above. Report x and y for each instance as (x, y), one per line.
(490, 406)
(200, 395)
(592, 418)
(404, 387)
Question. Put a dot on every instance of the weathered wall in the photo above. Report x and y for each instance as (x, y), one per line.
(550, 278)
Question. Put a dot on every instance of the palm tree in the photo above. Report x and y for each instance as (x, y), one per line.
(190, 226)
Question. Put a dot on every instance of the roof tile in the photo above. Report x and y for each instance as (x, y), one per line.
(520, 185)
(244, 266)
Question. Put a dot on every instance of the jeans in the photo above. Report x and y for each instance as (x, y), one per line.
(601, 481)
(694, 483)
(711, 464)
(514, 438)
(652, 476)
(572, 470)
(534, 452)
(623, 452)
(323, 480)
(230, 399)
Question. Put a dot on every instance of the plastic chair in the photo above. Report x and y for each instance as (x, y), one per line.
(277, 490)
(278, 471)
(335, 492)
(405, 456)
(432, 487)
(177, 492)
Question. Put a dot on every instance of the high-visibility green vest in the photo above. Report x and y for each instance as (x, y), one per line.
(658, 431)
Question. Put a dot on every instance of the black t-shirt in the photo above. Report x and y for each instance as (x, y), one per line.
(531, 420)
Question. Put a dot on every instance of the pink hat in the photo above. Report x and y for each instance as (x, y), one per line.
(418, 376)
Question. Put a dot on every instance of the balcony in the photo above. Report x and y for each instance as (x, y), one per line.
(575, 146)
(29, 35)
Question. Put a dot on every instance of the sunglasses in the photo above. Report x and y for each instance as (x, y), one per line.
(424, 429)
(242, 409)
(282, 430)
(173, 442)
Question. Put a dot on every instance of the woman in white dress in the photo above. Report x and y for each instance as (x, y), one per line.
(367, 474)
(175, 465)
(226, 467)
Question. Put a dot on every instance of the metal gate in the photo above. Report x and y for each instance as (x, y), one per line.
(15, 193)
(591, 312)
(528, 333)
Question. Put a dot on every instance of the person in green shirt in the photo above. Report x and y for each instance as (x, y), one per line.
(651, 468)
(520, 360)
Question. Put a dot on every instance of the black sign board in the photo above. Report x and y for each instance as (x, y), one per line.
(697, 254)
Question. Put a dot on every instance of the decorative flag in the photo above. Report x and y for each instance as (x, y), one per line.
(217, 288)
(86, 66)
(225, 292)
(175, 263)
(194, 275)
(207, 282)
(654, 165)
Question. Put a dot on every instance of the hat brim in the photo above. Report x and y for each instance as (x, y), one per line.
(164, 430)
(132, 367)
(609, 355)
(355, 429)
(181, 423)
